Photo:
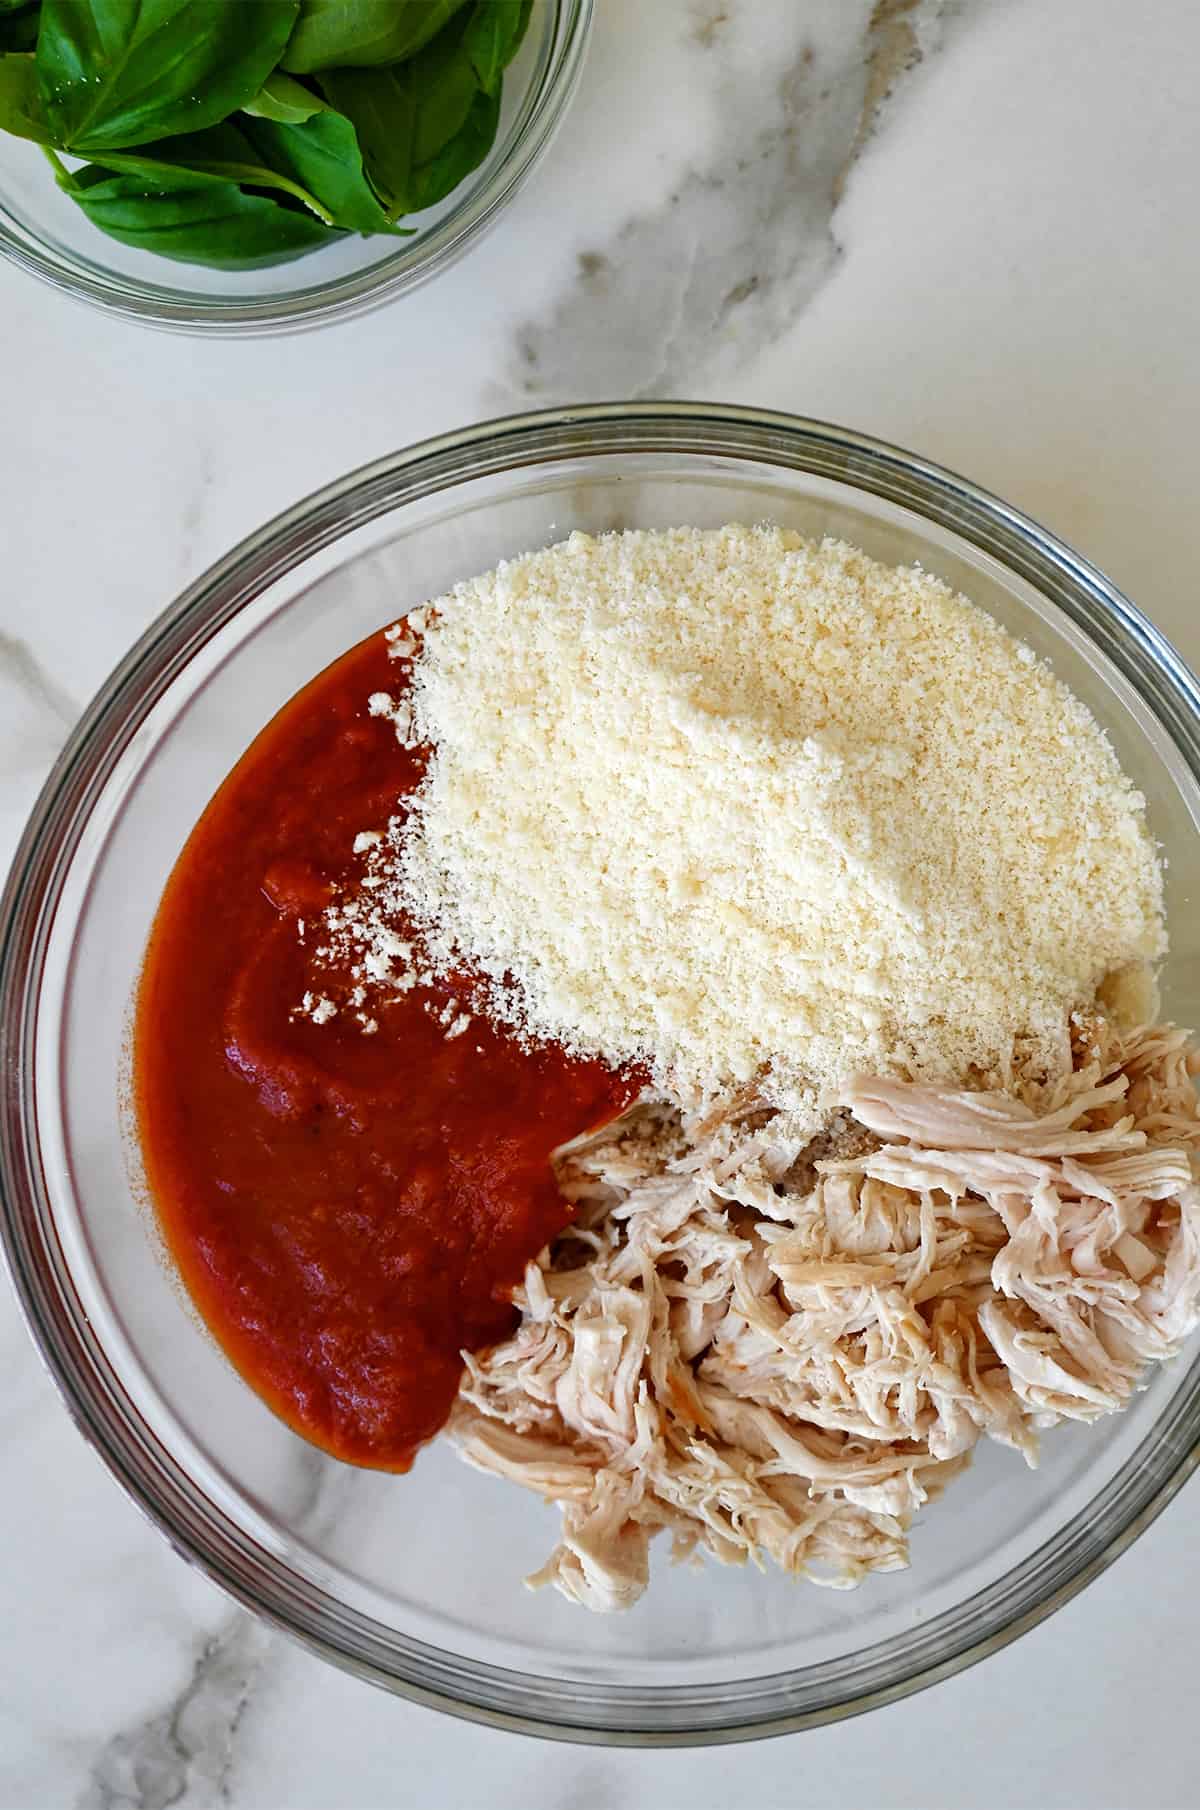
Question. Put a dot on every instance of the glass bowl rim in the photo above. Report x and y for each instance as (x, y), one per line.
(176, 310)
(748, 1708)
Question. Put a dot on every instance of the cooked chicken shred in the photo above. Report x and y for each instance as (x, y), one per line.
(779, 1352)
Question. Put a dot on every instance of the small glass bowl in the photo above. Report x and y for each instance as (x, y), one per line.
(42, 230)
(415, 1582)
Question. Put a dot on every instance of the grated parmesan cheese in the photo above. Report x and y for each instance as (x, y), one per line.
(398, 712)
(730, 802)
(318, 1008)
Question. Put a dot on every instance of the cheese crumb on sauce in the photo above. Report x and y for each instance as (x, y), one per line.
(317, 1007)
(734, 804)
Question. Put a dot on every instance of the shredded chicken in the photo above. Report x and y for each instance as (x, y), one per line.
(781, 1352)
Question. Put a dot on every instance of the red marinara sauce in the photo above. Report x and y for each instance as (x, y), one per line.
(349, 1212)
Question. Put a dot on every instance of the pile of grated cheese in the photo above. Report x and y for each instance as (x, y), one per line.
(739, 806)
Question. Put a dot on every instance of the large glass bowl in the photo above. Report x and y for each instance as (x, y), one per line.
(414, 1582)
(42, 230)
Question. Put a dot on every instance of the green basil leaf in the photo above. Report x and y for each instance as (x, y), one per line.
(316, 163)
(18, 28)
(443, 86)
(493, 37)
(196, 219)
(378, 102)
(117, 73)
(284, 99)
(223, 152)
(434, 180)
(322, 154)
(21, 110)
(407, 114)
(336, 34)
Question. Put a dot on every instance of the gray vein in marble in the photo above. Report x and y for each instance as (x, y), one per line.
(708, 19)
(183, 1755)
(21, 666)
(203, 480)
(901, 34)
(707, 281)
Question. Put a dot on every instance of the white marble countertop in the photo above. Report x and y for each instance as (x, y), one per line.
(996, 263)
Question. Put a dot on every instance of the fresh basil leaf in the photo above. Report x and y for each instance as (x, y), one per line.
(336, 34)
(195, 219)
(21, 110)
(282, 98)
(223, 152)
(406, 114)
(444, 86)
(493, 37)
(18, 28)
(322, 155)
(378, 103)
(434, 180)
(117, 73)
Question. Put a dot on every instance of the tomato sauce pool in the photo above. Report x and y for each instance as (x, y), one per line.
(349, 1211)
